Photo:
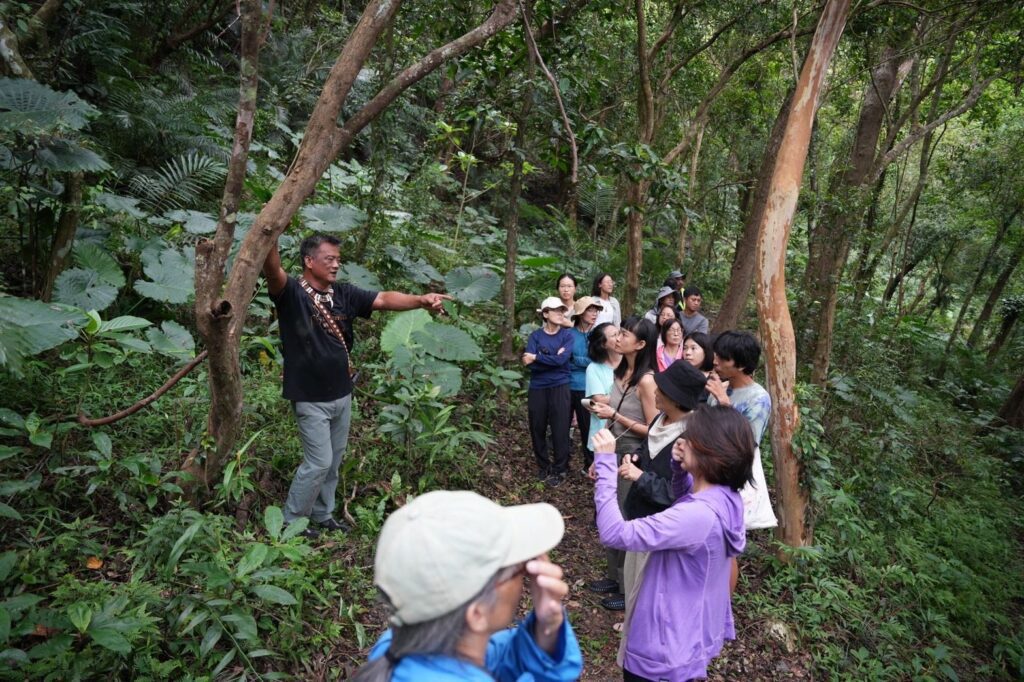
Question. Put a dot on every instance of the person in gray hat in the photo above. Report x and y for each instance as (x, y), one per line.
(667, 296)
(451, 565)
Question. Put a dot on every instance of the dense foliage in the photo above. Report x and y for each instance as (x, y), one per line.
(114, 148)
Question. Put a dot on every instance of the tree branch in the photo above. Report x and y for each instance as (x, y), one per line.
(118, 416)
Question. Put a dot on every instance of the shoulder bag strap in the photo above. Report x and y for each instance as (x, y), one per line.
(331, 324)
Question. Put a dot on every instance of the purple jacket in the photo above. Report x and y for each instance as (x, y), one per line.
(683, 612)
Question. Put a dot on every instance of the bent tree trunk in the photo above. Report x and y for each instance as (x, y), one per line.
(1012, 411)
(776, 325)
(742, 275)
(321, 144)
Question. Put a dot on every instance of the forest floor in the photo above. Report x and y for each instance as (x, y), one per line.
(754, 655)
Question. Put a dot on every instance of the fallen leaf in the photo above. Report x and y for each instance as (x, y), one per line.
(94, 563)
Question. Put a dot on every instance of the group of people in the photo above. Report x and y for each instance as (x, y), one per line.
(669, 421)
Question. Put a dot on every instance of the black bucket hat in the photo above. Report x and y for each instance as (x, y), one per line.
(682, 383)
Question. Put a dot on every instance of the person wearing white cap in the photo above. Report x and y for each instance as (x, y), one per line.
(548, 352)
(451, 565)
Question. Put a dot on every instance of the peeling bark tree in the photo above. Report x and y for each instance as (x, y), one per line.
(225, 308)
(776, 325)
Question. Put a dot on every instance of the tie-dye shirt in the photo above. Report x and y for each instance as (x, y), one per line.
(754, 403)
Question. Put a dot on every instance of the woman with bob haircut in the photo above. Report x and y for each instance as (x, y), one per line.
(697, 350)
(451, 565)
(670, 343)
(683, 611)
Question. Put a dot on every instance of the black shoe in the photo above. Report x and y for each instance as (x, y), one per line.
(309, 532)
(603, 586)
(333, 525)
(555, 480)
(616, 602)
(543, 475)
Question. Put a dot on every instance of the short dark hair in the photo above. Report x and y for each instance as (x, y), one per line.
(597, 344)
(311, 243)
(691, 291)
(723, 445)
(595, 289)
(564, 275)
(668, 325)
(740, 347)
(704, 341)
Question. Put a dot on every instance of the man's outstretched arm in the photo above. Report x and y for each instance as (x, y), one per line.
(396, 300)
(272, 270)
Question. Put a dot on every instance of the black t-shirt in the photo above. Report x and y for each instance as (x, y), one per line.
(315, 362)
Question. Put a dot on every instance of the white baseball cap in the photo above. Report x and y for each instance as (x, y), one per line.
(552, 303)
(437, 552)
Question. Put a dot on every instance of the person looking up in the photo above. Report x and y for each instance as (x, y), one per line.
(736, 358)
(683, 612)
(315, 314)
(600, 377)
(602, 289)
(691, 318)
(548, 353)
(585, 311)
(667, 297)
(566, 287)
(451, 567)
(630, 409)
(670, 346)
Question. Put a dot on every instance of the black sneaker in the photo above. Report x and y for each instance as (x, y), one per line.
(332, 525)
(616, 602)
(555, 480)
(603, 586)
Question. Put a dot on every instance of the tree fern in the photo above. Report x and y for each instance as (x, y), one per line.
(179, 183)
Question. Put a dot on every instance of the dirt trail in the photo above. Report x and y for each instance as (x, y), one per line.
(754, 655)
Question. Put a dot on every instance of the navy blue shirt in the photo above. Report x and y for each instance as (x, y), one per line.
(315, 362)
(551, 368)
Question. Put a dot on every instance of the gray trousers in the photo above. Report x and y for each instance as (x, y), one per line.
(323, 429)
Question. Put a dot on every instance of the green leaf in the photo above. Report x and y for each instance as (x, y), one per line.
(11, 418)
(447, 342)
(109, 638)
(5, 626)
(294, 528)
(472, 285)
(223, 663)
(42, 439)
(210, 639)
(7, 561)
(21, 602)
(333, 217)
(124, 323)
(119, 204)
(273, 519)
(65, 156)
(83, 289)
(80, 614)
(194, 222)
(28, 328)
(16, 656)
(182, 543)
(9, 512)
(360, 276)
(171, 272)
(90, 256)
(15, 487)
(55, 646)
(252, 560)
(102, 443)
(399, 329)
(274, 594)
(32, 108)
(172, 339)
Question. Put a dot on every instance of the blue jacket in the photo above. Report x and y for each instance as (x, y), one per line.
(512, 656)
(553, 351)
(579, 362)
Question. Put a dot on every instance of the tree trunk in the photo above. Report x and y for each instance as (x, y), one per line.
(684, 224)
(776, 326)
(1010, 317)
(742, 274)
(220, 337)
(636, 197)
(986, 263)
(11, 63)
(321, 144)
(63, 239)
(511, 220)
(1012, 411)
(828, 260)
(995, 295)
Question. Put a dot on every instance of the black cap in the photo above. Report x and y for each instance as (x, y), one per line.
(682, 383)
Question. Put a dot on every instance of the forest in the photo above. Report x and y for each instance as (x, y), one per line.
(835, 176)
